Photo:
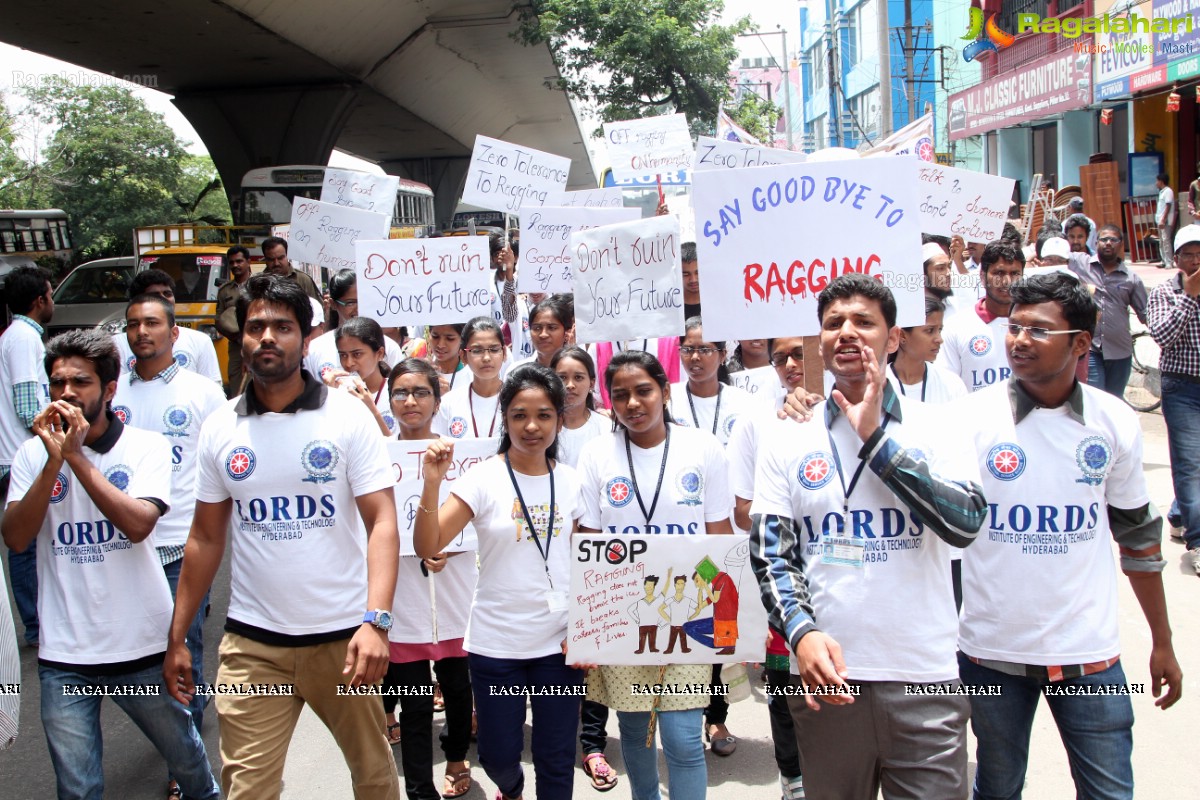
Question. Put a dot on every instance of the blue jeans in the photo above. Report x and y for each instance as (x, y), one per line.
(1096, 730)
(72, 725)
(1109, 374)
(502, 718)
(679, 731)
(1181, 412)
(22, 574)
(195, 642)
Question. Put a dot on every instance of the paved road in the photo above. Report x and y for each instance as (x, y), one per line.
(1163, 766)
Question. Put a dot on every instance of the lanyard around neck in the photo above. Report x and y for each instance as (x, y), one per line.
(837, 462)
(545, 551)
(662, 470)
(471, 405)
(900, 381)
(716, 411)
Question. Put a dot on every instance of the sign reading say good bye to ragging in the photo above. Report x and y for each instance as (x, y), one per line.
(628, 280)
(408, 473)
(424, 281)
(781, 234)
(649, 146)
(958, 202)
(324, 234)
(504, 176)
(348, 187)
(723, 154)
(545, 265)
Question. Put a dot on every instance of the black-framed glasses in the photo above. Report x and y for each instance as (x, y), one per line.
(795, 354)
(478, 352)
(1037, 334)
(691, 351)
(402, 395)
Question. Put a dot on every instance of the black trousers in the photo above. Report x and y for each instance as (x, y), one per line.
(416, 720)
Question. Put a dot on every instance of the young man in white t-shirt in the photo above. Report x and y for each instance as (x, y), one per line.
(973, 339)
(91, 491)
(1062, 471)
(303, 472)
(854, 515)
(193, 350)
(1164, 216)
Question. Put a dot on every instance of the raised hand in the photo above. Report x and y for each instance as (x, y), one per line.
(437, 460)
(864, 416)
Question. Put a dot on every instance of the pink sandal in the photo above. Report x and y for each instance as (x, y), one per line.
(596, 767)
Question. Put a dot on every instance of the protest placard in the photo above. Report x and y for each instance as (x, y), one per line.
(649, 146)
(408, 473)
(676, 599)
(628, 280)
(354, 189)
(779, 235)
(504, 176)
(545, 265)
(325, 235)
(959, 202)
(723, 154)
(762, 382)
(424, 281)
(608, 197)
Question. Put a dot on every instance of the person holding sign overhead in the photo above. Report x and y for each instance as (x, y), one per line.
(524, 505)
(473, 409)
(655, 477)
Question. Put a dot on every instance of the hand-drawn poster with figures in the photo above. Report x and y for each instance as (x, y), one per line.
(408, 472)
(657, 599)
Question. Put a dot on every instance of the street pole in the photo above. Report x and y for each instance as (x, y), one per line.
(832, 117)
(787, 87)
(885, 71)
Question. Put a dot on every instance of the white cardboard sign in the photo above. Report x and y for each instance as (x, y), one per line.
(408, 473)
(504, 176)
(762, 382)
(632, 592)
(325, 235)
(779, 235)
(545, 265)
(608, 197)
(628, 280)
(349, 187)
(959, 202)
(723, 154)
(649, 146)
(424, 281)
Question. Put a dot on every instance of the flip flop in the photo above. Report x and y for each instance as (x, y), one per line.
(596, 767)
(456, 784)
(393, 733)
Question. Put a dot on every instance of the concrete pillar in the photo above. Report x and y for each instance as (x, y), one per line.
(1076, 143)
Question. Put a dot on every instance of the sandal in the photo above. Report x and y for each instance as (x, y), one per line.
(456, 784)
(173, 791)
(439, 703)
(596, 767)
(393, 733)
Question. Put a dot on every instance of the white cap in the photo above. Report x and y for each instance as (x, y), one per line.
(318, 312)
(1056, 247)
(931, 250)
(1186, 235)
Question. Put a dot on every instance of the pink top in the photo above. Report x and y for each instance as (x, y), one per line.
(399, 653)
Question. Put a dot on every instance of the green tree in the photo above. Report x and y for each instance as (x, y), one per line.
(638, 58)
(758, 117)
(199, 197)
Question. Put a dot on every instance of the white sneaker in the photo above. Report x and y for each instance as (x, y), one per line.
(1177, 533)
(793, 789)
(1192, 559)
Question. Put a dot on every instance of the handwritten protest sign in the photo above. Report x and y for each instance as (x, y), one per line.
(349, 187)
(608, 197)
(723, 154)
(546, 259)
(408, 473)
(959, 202)
(324, 235)
(424, 281)
(628, 280)
(504, 176)
(649, 146)
(779, 235)
(762, 382)
(677, 599)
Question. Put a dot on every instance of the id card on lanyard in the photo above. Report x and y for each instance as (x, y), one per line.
(837, 548)
(556, 599)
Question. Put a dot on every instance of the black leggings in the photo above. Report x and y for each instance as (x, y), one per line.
(416, 719)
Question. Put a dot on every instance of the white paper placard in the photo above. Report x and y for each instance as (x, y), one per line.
(615, 606)
(545, 265)
(959, 202)
(762, 382)
(504, 176)
(628, 280)
(408, 473)
(419, 282)
(649, 146)
(779, 235)
(608, 197)
(723, 154)
(354, 189)
(324, 234)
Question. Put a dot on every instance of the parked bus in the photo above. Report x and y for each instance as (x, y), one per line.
(267, 193)
(33, 235)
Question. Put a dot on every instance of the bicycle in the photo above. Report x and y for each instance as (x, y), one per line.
(1143, 392)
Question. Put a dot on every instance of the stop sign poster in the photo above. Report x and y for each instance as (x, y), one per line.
(660, 599)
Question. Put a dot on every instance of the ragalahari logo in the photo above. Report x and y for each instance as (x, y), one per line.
(984, 38)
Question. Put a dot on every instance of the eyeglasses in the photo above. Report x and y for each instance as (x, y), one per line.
(1037, 334)
(479, 352)
(1109, 239)
(347, 303)
(402, 395)
(796, 354)
(690, 351)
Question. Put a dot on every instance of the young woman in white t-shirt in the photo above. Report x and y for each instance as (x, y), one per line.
(581, 421)
(705, 400)
(549, 322)
(524, 506)
(445, 353)
(911, 367)
(472, 409)
(364, 371)
(415, 393)
(693, 498)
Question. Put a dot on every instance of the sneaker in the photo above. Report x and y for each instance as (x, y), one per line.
(1192, 559)
(1177, 534)
(793, 788)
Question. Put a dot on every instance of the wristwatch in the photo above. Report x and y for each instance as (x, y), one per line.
(380, 618)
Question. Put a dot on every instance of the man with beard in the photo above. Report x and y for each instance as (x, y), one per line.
(938, 279)
(1078, 234)
(306, 472)
(193, 350)
(275, 256)
(973, 340)
(239, 270)
(91, 491)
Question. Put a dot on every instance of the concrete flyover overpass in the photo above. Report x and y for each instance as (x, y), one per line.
(403, 83)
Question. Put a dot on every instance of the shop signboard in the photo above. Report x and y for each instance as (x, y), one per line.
(1053, 84)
